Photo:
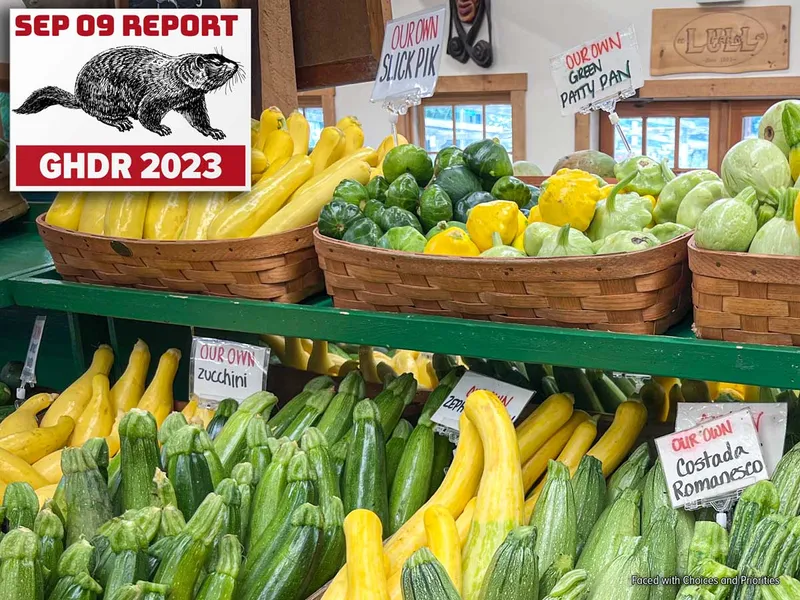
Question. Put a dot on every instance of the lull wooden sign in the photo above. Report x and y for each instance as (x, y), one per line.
(720, 40)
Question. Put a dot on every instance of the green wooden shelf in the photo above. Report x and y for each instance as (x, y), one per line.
(676, 354)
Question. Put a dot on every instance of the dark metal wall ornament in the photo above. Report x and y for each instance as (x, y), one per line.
(461, 43)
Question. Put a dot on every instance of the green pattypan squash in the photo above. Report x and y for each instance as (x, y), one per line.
(670, 198)
(650, 177)
(500, 250)
(764, 213)
(405, 239)
(620, 212)
(778, 235)
(535, 233)
(697, 200)
(627, 241)
(667, 231)
(566, 242)
(729, 224)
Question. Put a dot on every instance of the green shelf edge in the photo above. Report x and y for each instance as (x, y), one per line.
(676, 354)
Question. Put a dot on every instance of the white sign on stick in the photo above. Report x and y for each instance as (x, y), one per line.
(606, 67)
(514, 398)
(130, 100)
(223, 369)
(713, 459)
(411, 54)
(769, 418)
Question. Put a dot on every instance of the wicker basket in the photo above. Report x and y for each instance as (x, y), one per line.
(644, 292)
(281, 268)
(746, 298)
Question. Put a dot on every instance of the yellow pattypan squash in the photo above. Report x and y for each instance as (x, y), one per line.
(535, 215)
(519, 240)
(498, 216)
(570, 198)
(797, 214)
(452, 242)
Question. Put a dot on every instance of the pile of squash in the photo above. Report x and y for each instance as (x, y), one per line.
(30, 450)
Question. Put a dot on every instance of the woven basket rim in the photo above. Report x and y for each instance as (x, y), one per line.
(729, 254)
(593, 260)
(40, 222)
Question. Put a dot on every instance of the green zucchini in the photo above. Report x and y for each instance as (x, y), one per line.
(259, 453)
(21, 575)
(574, 381)
(589, 489)
(787, 481)
(172, 523)
(629, 474)
(215, 466)
(72, 577)
(231, 443)
(555, 517)
(710, 540)
(50, 530)
(127, 563)
(437, 397)
(228, 490)
(163, 493)
(338, 457)
(393, 400)
(188, 470)
(173, 422)
(513, 573)
(443, 364)
(655, 495)
(314, 408)
(442, 457)
(188, 552)
(147, 519)
(332, 553)
(300, 489)
(394, 449)
(315, 446)
(143, 590)
(711, 571)
(242, 474)
(289, 411)
(285, 573)
(413, 476)
(615, 581)
(621, 519)
(560, 567)
(138, 439)
(625, 384)
(365, 467)
(662, 553)
(788, 589)
(98, 449)
(695, 391)
(220, 583)
(424, 578)
(87, 498)
(21, 505)
(338, 416)
(574, 585)
(788, 560)
(607, 391)
(769, 533)
(270, 491)
(225, 409)
(549, 386)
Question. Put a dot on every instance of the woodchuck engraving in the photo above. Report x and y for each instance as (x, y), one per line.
(133, 82)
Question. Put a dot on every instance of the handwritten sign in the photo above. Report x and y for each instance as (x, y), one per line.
(769, 418)
(513, 397)
(603, 68)
(412, 51)
(711, 460)
(223, 369)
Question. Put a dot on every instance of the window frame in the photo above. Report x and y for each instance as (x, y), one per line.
(324, 98)
(470, 90)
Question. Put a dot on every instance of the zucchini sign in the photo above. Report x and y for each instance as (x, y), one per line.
(223, 369)
(714, 459)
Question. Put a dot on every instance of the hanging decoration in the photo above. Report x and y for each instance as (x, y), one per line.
(461, 43)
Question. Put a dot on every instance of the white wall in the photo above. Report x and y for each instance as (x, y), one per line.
(526, 33)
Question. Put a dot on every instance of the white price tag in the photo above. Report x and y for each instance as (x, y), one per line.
(769, 419)
(606, 67)
(412, 51)
(223, 369)
(713, 459)
(513, 397)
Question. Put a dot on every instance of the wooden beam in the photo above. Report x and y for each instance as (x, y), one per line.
(583, 132)
(727, 88)
(518, 125)
(276, 55)
(504, 82)
(4, 77)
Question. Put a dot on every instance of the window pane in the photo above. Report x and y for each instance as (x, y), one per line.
(469, 124)
(694, 143)
(750, 127)
(661, 139)
(316, 121)
(498, 124)
(633, 133)
(438, 127)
